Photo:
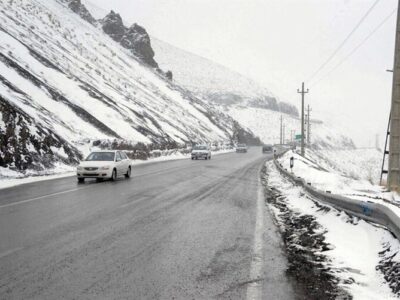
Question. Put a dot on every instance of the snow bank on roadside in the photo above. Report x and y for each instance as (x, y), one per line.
(10, 182)
(348, 177)
(357, 247)
(356, 163)
(323, 175)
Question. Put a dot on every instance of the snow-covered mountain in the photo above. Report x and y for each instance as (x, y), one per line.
(64, 80)
(215, 82)
(252, 105)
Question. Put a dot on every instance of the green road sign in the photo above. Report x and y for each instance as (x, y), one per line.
(298, 136)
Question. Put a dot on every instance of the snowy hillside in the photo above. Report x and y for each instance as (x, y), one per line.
(253, 106)
(64, 81)
(215, 82)
(208, 77)
(205, 78)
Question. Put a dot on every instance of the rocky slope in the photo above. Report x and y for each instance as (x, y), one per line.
(134, 38)
(77, 7)
(25, 144)
(64, 82)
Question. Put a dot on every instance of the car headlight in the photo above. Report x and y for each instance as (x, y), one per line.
(105, 168)
(79, 168)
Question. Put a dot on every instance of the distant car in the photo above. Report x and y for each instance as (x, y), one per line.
(267, 149)
(104, 165)
(241, 148)
(228, 146)
(201, 151)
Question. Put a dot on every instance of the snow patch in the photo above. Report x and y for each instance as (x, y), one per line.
(356, 245)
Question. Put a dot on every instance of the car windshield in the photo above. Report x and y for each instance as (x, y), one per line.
(200, 148)
(101, 156)
(242, 145)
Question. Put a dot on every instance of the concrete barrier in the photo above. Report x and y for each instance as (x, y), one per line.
(367, 210)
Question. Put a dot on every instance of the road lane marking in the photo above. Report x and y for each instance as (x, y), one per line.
(41, 197)
(8, 252)
(254, 289)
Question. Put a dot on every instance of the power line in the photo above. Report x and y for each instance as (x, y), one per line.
(344, 41)
(355, 48)
(331, 22)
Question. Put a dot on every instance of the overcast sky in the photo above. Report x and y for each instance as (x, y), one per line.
(280, 43)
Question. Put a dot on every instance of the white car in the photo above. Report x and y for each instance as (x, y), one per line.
(108, 164)
(241, 148)
(201, 151)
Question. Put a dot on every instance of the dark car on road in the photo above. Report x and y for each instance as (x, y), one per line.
(267, 149)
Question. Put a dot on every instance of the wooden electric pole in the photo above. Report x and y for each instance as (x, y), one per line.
(393, 181)
(283, 134)
(302, 92)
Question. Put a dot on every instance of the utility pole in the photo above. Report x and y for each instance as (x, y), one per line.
(393, 181)
(308, 125)
(302, 92)
(283, 134)
(305, 129)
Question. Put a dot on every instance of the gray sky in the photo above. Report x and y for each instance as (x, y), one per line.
(280, 43)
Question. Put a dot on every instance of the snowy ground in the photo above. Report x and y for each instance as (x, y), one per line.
(341, 254)
(361, 164)
(351, 173)
(9, 178)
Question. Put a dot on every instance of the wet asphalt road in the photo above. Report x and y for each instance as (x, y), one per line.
(176, 230)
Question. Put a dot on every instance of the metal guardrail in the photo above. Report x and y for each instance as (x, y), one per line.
(367, 210)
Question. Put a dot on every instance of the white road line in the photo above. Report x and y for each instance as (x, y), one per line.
(41, 197)
(254, 289)
(8, 252)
